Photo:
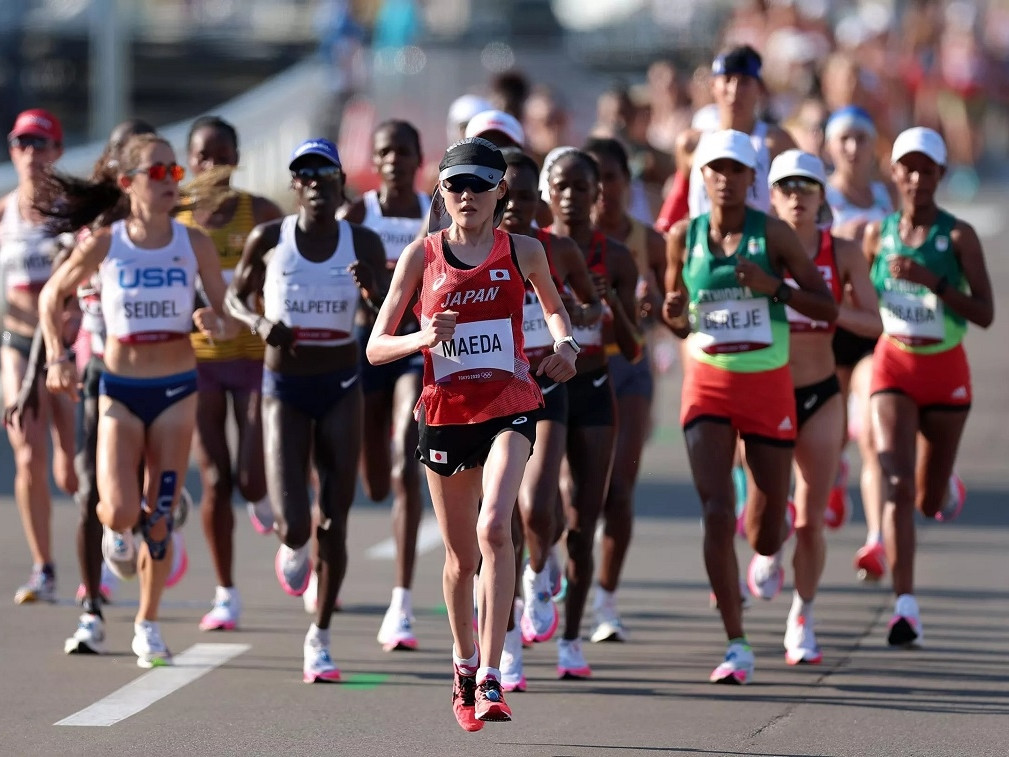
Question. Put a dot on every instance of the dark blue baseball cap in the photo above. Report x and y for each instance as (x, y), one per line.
(739, 60)
(318, 146)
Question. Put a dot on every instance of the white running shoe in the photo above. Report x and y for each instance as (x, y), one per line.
(954, 500)
(737, 666)
(311, 595)
(766, 576)
(41, 587)
(120, 552)
(223, 616)
(397, 630)
(184, 507)
(555, 571)
(319, 666)
(293, 568)
(800, 642)
(261, 516)
(148, 646)
(609, 626)
(905, 628)
(512, 675)
(539, 615)
(571, 662)
(89, 638)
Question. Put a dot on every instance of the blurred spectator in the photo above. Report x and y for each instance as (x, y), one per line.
(671, 107)
(806, 124)
(546, 123)
(509, 91)
(341, 45)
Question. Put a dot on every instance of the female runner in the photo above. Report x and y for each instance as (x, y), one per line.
(728, 265)
(148, 265)
(633, 385)
(797, 182)
(227, 369)
(395, 212)
(930, 275)
(477, 408)
(310, 271)
(573, 182)
(27, 250)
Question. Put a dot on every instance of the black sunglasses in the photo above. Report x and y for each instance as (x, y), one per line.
(24, 141)
(459, 184)
(307, 174)
(798, 185)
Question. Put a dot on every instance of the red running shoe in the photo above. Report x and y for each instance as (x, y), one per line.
(870, 562)
(464, 700)
(838, 503)
(490, 703)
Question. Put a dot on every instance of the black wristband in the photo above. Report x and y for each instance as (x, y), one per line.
(783, 293)
(940, 286)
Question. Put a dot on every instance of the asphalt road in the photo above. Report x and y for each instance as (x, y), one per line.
(648, 696)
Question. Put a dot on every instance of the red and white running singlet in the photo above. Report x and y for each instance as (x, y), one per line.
(482, 372)
(826, 264)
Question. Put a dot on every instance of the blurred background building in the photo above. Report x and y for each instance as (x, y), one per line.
(633, 68)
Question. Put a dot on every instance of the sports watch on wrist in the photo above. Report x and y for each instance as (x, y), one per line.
(570, 341)
(783, 293)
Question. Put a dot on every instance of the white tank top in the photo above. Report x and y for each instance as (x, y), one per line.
(89, 296)
(395, 232)
(845, 212)
(26, 250)
(147, 295)
(316, 300)
(759, 196)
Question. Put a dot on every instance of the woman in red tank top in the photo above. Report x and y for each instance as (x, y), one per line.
(477, 410)
(797, 182)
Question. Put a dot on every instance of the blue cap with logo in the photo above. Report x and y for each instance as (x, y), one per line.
(318, 146)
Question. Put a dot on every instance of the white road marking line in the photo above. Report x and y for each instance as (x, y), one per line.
(428, 537)
(157, 684)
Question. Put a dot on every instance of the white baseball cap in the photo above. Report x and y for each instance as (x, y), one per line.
(464, 108)
(496, 120)
(796, 163)
(727, 143)
(919, 139)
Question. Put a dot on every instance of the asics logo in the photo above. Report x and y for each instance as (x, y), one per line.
(174, 392)
(349, 382)
(436, 284)
(519, 421)
(597, 383)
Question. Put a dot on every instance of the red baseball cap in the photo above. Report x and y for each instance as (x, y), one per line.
(37, 123)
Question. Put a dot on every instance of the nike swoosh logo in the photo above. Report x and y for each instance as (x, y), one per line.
(174, 392)
(287, 273)
(810, 401)
(548, 389)
(349, 382)
(597, 383)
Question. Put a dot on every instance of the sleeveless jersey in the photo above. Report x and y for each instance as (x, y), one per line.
(147, 295)
(732, 327)
(229, 240)
(316, 300)
(482, 372)
(395, 232)
(845, 212)
(89, 297)
(914, 318)
(590, 338)
(539, 342)
(759, 196)
(826, 264)
(26, 251)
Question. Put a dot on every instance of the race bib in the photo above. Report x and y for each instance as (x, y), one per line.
(913, 317)
(732, 325)
(478, 351)
(535, 334)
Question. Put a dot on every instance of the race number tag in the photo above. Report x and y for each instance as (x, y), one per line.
(535, 334)
(912, 314)
(732, 325)
(478, 351)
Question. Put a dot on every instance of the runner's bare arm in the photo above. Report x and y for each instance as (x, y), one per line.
(674, 304)
(862, 316)
(533, 261)
(812, 298)
(571, 268)
(385, 346)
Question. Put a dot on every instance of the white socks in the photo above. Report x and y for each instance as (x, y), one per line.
(800, 608)
(470, 665)
(401, 599)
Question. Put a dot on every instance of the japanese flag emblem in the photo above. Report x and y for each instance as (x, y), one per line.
(438, 456)
(500, 274)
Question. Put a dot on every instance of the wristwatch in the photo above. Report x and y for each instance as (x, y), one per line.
(783, 293)
(570, 341)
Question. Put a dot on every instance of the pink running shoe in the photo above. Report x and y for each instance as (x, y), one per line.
(180, 560)
(870, 562)
(954, 504)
